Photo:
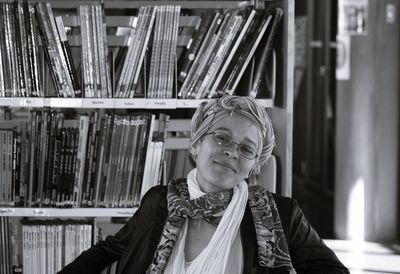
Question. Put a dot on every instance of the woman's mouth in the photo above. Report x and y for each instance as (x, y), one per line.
(225, 165)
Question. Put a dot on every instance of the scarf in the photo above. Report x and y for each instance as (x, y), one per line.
(273, 251)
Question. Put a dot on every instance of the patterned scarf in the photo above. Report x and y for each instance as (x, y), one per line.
(273, 251)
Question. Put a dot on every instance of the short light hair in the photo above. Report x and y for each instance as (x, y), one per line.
(209, 113)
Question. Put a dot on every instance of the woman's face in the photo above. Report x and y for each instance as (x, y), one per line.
(222, 168)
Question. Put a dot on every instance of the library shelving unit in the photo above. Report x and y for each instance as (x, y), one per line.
(280, 107)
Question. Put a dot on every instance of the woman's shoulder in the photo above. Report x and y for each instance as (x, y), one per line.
(155, 195)
(158, 193)
(284, 205)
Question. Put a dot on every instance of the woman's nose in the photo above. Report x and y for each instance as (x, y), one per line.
(232, 151)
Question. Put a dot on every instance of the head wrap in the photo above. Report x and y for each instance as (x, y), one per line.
(209, 113)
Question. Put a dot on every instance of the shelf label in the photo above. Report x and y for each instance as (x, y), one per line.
(66, 102)
(6, 210)
(5, 101)
(38, 212)
(161, 103)
(125, 212)
(129, 103)
(97, 103)
(27, 102)
(190, 103)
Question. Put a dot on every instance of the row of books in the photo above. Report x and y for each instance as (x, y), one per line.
(213, 62)
(162, 22)
(19, 51)
(221, 53)
(8, 260)
(92, 161)
(42, 246)
(95, 63)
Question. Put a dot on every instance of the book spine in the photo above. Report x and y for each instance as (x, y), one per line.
(33, 50)
(3, 191)
(190, 78)
(193, 47)
(100, 160)
(226, 37)
(68, 55)
(154, 73)
(132, 146)
(9, 28)
(2, 57)
(143, 51)
(209, 56)
(243, 61)
(16, 178)
(249, 20)
(266, 53)
(120, 162)
(49, 49)
(166, 36)
(80, 160)
(128, 58)
(102, 57)
(172, 52)
(22, 58)
(95, 40)
(60, 170)
(141, 26)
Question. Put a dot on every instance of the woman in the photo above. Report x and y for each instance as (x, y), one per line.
(212, 221)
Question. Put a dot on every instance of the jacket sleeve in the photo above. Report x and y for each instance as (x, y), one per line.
(96, 258)
(308, 252)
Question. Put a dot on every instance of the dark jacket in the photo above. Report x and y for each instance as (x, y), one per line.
(135, 244)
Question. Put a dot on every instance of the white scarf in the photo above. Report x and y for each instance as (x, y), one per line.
(213, 258)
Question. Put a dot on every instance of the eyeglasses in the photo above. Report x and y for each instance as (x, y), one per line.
(226, 141)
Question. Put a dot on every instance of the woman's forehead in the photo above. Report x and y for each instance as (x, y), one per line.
(238, 125)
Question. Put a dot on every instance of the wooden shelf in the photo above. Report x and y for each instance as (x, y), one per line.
(66, 212)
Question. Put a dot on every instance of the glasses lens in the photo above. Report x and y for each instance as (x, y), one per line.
(222, 139)
(247, 152)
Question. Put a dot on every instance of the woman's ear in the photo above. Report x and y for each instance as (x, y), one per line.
(193, 150)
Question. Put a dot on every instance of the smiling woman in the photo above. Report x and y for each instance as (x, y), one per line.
(212, 221)
(221, 164)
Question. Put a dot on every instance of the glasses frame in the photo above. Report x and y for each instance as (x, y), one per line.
(230, 144)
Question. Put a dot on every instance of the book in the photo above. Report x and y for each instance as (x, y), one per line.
(266, 53)
(80, 159)
(190, 52)
(143, 48)
(52, 50)
(33, 50)
(126, 201)
(122, 81)
(249, 21)
(206, 43)
(155, 71)
(245, 56)
(22, 56)
(221, 50)
(209, 55)
(68, 55)
(9, 49)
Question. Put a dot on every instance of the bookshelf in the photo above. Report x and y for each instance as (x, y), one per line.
(120, 14)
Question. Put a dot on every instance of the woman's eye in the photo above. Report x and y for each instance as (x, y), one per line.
(246, 149)
(223, 138)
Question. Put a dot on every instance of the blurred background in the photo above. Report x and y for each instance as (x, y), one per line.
(346, 120)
